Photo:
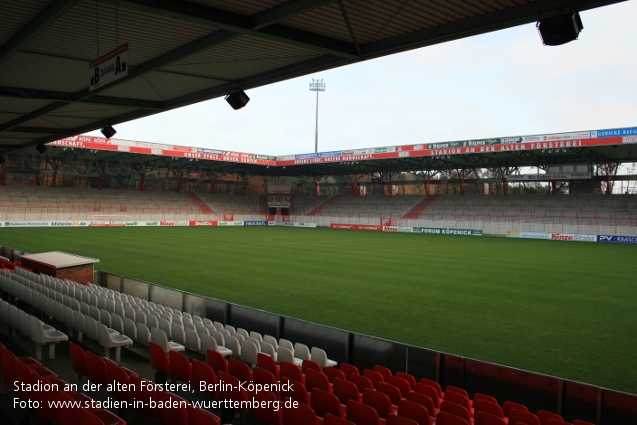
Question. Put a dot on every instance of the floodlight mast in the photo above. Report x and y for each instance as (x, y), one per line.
(317, 86)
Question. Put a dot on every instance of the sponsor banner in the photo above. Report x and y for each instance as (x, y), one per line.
(549, 176)
(279, 187)
(230, 223)
(255, 223)
(329, 154)
(617, 239)
(544, 142)
(390, 228)
(202, 223)
(448, 231)
(508, 140)
(167, 223)
(484, 142)
(108, 68)
(26, 224)
(573, 237)
(405, 229)
(534, 235)
(294, 224)
(553, 236)
(355, 227)
(612, 132)
(629, 139)
(106, 224)
(566, 136)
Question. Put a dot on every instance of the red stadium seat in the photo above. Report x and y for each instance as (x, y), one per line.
(233, 391)
(414, 411)
(295, 390)
(480, 396)
(292, 371)
(97, 370)
(203, 372)
(349, 369)
(180, 367)
(401, 383)
(457, 398)
(301, 414)
(386, 372)
(430, 392)
(390, 391)
(330, 419)
(433, 384)
(373, 376)
(239, 370)
(309, 364)
(315, 379)
(197, 416)
(393, 419)
(407, 377)
(268, 363)
(324, 402)
(445, 418)
(159, 359)
(379, 401)
(345, 391)
(78, 358)
(361, 414)
(455, 409)
(264, 377)
(424, 401)
(332, 373)
(544, 416)
(216, 361)
(522, 417)
(484, 418)
(482, 405)
(266, 410)
(507, 406)
(361, 382)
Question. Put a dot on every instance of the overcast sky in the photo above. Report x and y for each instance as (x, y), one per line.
(499, 84)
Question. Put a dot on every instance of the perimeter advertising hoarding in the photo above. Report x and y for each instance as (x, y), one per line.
(448, 231)
(573, 237)
(617, 239)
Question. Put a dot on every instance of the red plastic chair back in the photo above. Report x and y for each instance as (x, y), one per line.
(345, 391)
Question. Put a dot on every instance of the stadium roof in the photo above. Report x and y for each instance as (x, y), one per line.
(175, 53)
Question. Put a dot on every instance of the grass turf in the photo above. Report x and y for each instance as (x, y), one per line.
(563, 308)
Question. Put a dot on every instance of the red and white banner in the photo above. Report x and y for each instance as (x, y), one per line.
(356, 227)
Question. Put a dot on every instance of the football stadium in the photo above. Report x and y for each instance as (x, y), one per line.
(479, 281)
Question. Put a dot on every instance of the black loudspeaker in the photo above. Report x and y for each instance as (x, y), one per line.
(41, 148)
(108, 131)
(237, 99)
(560, 29)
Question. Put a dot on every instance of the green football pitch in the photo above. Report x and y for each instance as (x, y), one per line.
(566, 309)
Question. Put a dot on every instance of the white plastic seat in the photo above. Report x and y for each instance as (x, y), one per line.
(249, 352)
(79, 323)
(109, 340)
(256, 335)
(151, 321)
(268, 349)
(284, 354)
(272, 341)
(233, 345)
(243, 332)
(130, 329)
(301, 351)
(319, 356)
(193, 341)
(42, 337)
(177, 333)
(143, 333)
(117, 323)
(208, 342)
(159, 337)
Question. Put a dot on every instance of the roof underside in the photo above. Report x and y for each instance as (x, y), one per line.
(183, 52)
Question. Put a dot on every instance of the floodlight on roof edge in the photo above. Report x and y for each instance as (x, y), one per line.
(108, 131)
(560, 29)
(237, 99)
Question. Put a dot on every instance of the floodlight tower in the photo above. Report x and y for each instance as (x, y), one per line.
(317, 86)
